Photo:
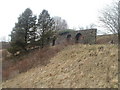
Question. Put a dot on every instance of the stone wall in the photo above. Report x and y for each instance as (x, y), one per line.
(84, 36)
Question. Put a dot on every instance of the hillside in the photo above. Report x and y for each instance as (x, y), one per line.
(105, 39)
(76, 66)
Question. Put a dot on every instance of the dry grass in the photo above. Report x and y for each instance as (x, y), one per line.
(106, 39)
(33, 59)
(77, 66)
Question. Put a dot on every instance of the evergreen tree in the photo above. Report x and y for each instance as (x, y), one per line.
(27, 22)
(23, 32)
(32, 31)
(46, 26)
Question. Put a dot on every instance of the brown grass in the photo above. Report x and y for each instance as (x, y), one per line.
(106, 39)
(76, 66)
(39, 57)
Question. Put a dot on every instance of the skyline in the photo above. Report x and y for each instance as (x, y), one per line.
(77, 13)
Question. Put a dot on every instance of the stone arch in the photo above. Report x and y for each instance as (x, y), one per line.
(68, 37)
(77, 37)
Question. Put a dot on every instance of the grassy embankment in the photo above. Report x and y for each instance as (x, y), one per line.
(76, 66)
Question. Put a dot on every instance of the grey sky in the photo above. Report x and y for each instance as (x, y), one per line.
(75, 12)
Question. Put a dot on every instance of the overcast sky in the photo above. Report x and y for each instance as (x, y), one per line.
(75, 12)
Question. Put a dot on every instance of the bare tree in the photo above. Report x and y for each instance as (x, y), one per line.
(81, 28)
(109, 17)
(90, 26)
(60, 24)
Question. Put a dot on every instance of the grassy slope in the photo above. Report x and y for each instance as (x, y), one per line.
(103, 39)
(82, 66)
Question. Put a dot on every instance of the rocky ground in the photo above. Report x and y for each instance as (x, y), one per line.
(77, 66)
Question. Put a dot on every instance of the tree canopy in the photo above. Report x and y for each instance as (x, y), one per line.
(46, 27)
(25, 32)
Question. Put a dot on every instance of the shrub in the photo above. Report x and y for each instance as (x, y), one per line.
(13, 50)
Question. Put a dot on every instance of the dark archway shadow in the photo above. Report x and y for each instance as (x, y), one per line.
(68, 37)
(77, 37)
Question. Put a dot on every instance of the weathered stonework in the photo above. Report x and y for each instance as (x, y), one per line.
(84, 36)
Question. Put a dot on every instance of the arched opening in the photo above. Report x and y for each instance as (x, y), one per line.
(68, 37)
(77, 37)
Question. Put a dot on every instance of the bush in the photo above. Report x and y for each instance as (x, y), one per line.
(13, 50)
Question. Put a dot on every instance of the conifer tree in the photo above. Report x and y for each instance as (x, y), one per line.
(46, 26)
(23, 32)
